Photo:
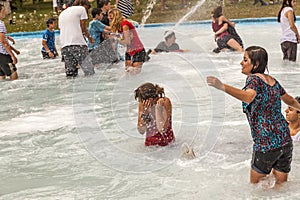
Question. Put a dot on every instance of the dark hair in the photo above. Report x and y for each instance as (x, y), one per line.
(259, 59)
(285, 3)
(148, 90)
(169, 34)
(50, 21)
(217, 12)
(81, 3)
(298, 99)
(102, 3)
(1, 6)
(95, 11)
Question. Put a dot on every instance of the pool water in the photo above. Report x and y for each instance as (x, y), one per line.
(77, 139)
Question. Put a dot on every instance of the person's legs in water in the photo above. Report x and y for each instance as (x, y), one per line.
(235, 45)
(137, 61)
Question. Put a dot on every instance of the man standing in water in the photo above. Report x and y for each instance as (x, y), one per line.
(72, 24)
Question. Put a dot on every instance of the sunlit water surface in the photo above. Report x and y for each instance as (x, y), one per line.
(77, 139)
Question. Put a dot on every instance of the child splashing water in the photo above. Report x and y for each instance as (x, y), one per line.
(135, 52)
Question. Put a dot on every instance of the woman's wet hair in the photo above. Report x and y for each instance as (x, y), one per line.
(217, 12)
(285, 3)
(117, 18)
(148, 90)
(259, 59)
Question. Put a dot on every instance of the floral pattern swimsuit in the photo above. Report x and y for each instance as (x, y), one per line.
(269, 129)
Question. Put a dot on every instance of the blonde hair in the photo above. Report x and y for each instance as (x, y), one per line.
(117, 19)
(148, 90)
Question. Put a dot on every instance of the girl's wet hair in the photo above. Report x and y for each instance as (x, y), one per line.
(259, 59)
(148, 90)
(217, 12)
(117, 18)
(285, 3)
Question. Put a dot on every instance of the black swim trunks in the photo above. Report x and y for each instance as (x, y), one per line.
(138, 57)
(279, 159)
(6, 65)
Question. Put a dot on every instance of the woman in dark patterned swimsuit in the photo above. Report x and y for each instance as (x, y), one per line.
(154, 115)
(261, 97)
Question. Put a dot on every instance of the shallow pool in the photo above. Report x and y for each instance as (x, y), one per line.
(77, 139)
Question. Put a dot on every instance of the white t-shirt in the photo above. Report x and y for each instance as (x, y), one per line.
(296, 138)
(287, 33)
(69, 24)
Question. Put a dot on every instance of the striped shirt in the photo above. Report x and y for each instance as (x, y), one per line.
(125, 7)
(3, 30)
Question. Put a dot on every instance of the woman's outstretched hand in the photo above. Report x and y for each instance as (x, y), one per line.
(215, 82)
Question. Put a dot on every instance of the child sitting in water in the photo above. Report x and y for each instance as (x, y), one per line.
(169, 45)
(48, 42)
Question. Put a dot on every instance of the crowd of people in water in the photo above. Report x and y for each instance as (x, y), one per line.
(272, 133)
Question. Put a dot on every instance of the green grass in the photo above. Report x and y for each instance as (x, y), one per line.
(32, 17)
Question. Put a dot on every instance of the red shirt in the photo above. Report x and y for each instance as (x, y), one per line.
(135, 45)
(216, 27)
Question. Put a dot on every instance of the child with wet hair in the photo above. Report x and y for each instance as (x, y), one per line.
(293, 117)
(169, 45)
(49, 48)
(154, 115)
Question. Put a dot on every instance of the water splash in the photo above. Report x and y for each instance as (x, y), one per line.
(200, 3)
(148, 12)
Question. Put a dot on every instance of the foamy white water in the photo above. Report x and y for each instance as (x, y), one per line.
(77, 139)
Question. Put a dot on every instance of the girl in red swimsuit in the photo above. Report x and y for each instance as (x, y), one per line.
(154, 115)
